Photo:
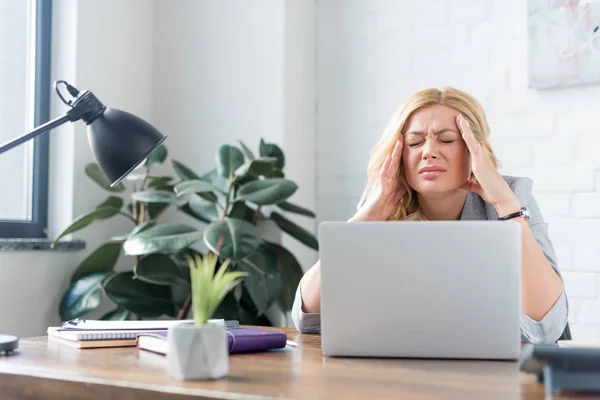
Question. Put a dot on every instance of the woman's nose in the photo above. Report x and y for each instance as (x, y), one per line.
(430, 150)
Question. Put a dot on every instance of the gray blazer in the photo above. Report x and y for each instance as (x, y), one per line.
(549, 329)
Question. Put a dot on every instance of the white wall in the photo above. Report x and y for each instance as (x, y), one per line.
(373, 54)
(221, 76)
(218, 76)
(116, 64)
(299, 125)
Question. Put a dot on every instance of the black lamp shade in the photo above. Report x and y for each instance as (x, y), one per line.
(121, 141)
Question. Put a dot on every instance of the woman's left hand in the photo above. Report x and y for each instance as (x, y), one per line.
(490, 185)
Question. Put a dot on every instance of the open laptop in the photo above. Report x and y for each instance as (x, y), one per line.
(430, 289)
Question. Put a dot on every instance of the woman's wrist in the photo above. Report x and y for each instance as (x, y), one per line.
(508, 207)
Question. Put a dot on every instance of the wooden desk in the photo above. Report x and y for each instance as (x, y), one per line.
(49, 370)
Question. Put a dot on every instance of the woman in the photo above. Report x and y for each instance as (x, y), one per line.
(434, 162)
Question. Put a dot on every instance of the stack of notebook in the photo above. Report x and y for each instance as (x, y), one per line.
(82, 334)
(152, 335)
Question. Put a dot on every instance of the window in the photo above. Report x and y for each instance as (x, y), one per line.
(25, 27)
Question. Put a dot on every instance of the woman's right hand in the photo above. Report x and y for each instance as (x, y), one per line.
(383, 199)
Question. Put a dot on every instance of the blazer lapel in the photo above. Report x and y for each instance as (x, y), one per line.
(474, 208)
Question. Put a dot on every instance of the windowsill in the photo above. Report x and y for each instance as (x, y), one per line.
(27, 244)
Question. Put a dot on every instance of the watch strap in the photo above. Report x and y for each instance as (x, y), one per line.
(517, 214)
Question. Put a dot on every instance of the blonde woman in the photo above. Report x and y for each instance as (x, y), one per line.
(434, 162)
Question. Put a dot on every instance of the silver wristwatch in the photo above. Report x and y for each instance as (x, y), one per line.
(523, 212)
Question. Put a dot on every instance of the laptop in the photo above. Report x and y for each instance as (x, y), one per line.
(427, 289)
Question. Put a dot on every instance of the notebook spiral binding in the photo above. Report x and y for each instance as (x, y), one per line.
(111, 335)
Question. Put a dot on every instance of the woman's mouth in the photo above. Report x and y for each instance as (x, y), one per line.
(431, 172)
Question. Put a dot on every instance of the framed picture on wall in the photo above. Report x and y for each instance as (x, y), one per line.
(564, 42)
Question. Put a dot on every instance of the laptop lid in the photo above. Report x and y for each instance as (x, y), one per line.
(427, 289)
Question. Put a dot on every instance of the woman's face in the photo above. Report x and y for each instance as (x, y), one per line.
(435, 156)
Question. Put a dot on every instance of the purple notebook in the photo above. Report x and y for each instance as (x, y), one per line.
(239, 340)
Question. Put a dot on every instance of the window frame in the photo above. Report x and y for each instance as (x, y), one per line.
(37, 226)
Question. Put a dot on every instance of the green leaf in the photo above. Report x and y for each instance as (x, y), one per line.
(158, 156)
(180, 293)
(141, 298)
(195, 186)
(162, 239)
(159, 269)
(139, 228)
(182, 256)
(229, 159)
(296, 231)
(84, 220)
(155, 209)
(209, 196)
(245, 317)
(267, 191)
(204, 210)
(262, 148)
(219, 181)
(159, 181)
(82, 297)
(240, 210)
(276, 173)
(158, 196)
(117, 314)
(95, 173)
(272, 150)
(101, 260)
(207, 190)
(259, 167)
(237, 238)
(183, 172)
(247, 152)
(290, 272)
(248, 312)
(228, 309)
(263, 281)
(112, 201)
(293, 208)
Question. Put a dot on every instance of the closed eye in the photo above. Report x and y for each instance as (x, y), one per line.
(414, 144)
(446, 141)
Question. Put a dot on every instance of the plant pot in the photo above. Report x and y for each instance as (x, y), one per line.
(197, 351)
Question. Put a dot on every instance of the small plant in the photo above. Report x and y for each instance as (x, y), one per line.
(209, 289)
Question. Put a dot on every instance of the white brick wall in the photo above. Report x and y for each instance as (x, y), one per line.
(372, 54)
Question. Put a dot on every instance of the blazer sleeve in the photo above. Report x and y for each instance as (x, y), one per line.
(551, 327)
(304, 322)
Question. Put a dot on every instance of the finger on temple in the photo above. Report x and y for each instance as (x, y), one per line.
(385, 165)
(397, 151)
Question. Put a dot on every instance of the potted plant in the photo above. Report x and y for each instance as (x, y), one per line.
(199, 350)
(233, 202)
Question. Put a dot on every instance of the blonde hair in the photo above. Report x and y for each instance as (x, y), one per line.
(408, 206)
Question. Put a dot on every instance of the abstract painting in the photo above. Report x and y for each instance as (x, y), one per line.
(564, 42)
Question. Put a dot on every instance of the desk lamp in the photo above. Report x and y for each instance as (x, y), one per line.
(120, 142)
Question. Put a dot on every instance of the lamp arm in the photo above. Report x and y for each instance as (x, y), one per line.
(37, 131)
